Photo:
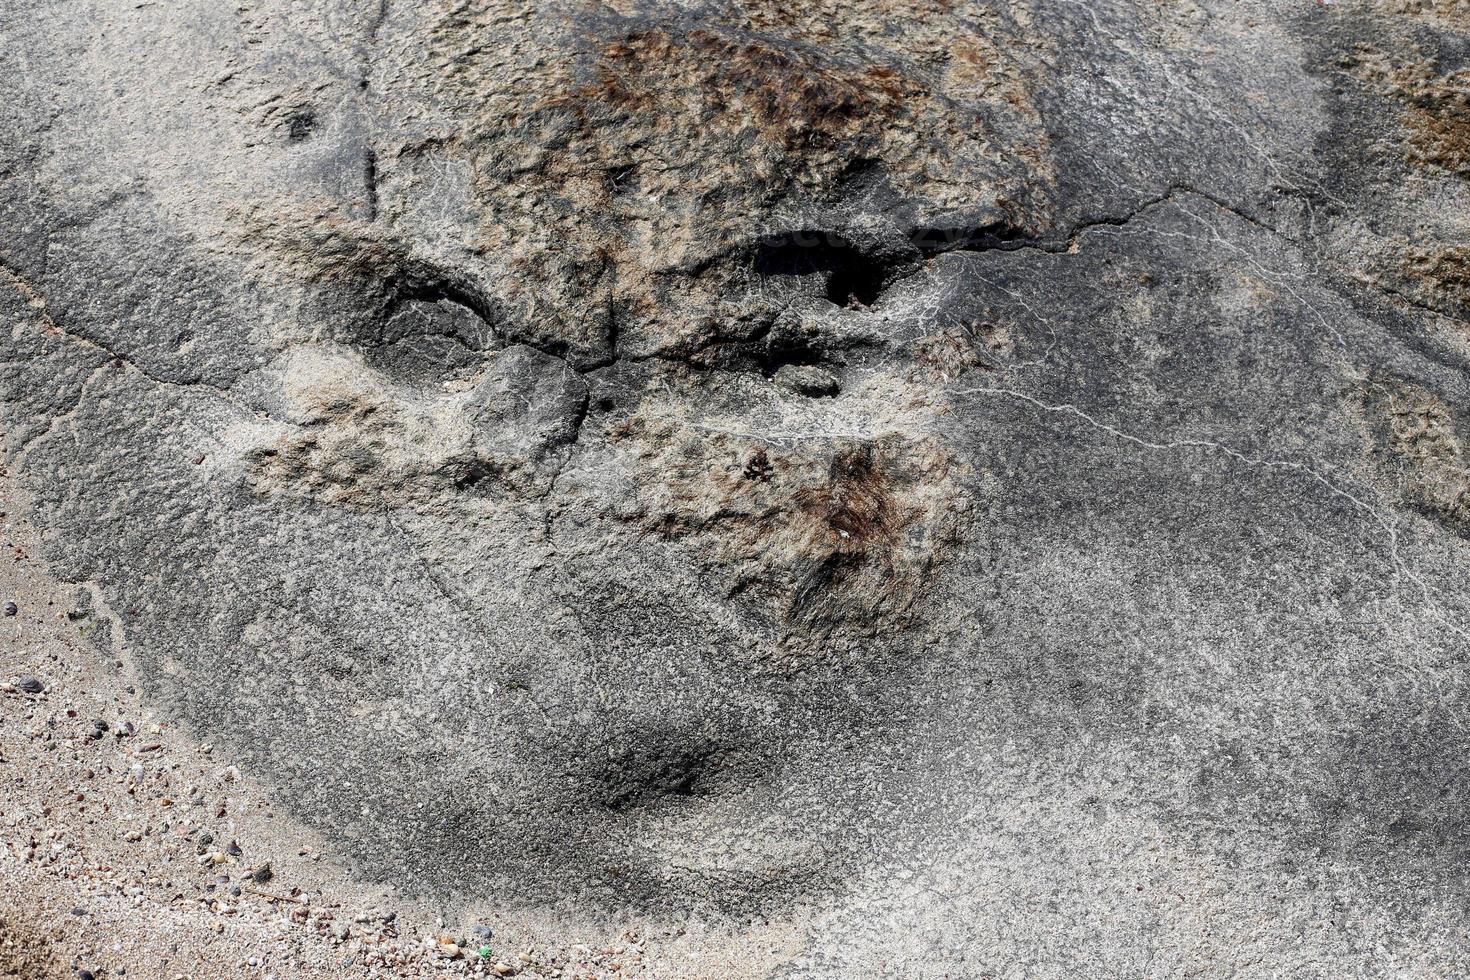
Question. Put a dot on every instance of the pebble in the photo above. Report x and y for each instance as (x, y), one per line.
(262, 874)
(11, 609)
(31, 685)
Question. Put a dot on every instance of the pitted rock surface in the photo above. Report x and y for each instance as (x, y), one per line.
(981, 482)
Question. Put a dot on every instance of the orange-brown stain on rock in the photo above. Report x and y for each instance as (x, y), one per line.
(830, 540)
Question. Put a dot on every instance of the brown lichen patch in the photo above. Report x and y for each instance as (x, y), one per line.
(1454, 14)
(948, 354)
(738, 109)
(786, 97)
(620, 166)
(1443, 275)
(834, 20)
(951, 43)
(1435, 105)
(1438, 120)
(830, 540)
(676, 148)
(1431, 465)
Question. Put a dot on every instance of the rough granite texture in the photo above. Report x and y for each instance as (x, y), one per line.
(985, 482)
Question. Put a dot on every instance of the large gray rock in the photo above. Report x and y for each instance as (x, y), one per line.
(417, 386)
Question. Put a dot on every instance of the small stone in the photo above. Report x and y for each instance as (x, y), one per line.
(85, 975)
(11, 609)
(233, 850)
(804, 379)
(205, 838)
(30, 685)
(481, 930)
(262, 874)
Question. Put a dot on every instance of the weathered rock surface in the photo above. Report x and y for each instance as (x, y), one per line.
(985, 482)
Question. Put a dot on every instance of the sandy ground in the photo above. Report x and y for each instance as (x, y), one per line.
(133, 850)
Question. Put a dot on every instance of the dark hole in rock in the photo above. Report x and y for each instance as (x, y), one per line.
(937, 239)
(621, 180)
(470, 476)
(852, 278)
